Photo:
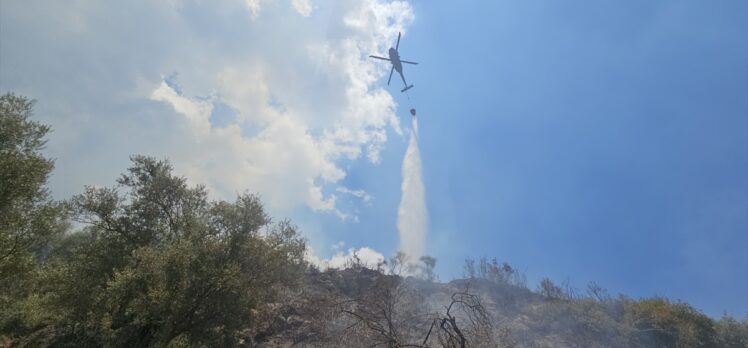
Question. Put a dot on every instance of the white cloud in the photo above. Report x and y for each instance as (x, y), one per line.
(282, 160)
(361, 194)
(294, 155)
(304, 99)
(303, 7)
(367, 257)
(253, 6)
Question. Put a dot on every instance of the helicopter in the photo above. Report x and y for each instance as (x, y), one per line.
(396, 63)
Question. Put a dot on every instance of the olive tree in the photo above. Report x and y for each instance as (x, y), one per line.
(159, 264)
(28, 217)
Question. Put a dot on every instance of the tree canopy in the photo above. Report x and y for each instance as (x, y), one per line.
(156, 263)
(27, 215)
(160, 264)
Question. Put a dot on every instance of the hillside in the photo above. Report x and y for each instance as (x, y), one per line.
(364, 307)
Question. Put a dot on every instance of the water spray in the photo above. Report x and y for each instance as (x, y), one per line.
(412, 215)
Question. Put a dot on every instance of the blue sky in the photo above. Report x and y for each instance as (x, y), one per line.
(603, 141)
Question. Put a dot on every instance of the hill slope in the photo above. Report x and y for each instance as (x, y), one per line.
(359, 307)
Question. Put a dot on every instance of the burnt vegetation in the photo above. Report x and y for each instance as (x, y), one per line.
(153, 262)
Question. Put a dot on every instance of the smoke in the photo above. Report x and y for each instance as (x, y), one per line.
(412, 216)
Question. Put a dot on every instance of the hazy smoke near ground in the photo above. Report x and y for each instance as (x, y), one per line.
(412, 216)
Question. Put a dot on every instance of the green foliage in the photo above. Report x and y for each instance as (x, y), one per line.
(29, 220)
(672, 324)
(732, 333)
(160, 265)
(27, 216)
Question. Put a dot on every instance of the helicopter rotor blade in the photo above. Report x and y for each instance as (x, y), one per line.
(377, 57)
(390, 78)
(397, 46)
